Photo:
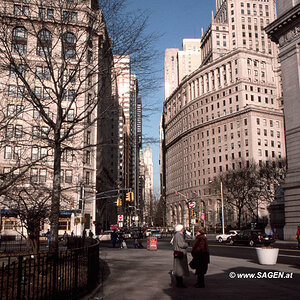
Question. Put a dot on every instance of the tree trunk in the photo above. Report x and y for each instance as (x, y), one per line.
(35, 244)
(55, 204)
(239, 218)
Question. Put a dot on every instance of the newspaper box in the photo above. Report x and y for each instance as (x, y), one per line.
(152, 243)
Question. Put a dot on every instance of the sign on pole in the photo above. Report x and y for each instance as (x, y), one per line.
(120, 218)
(192, 204)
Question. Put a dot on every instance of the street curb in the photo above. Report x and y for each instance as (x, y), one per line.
(92, 295)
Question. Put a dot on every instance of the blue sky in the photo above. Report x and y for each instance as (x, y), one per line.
(175, 20)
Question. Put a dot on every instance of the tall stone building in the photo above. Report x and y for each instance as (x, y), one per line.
(57, 110)
(228, 109)
(285, 31)
(148, 171)
(130, 134)
(179, 63)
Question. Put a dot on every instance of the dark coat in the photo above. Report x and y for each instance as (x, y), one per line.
(200, 254)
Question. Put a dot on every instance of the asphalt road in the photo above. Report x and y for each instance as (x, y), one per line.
(288, 253)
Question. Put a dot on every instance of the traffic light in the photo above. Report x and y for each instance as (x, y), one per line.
(193, 212)
(72, 203)
(127, 197)
(131, 196)
(119, 202)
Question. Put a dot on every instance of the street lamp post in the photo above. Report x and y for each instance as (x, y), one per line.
(222, 207)
(188, 207)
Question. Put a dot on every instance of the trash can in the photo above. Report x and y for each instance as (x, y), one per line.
(152, 243)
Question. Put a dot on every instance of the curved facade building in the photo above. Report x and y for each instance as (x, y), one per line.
(227, 110)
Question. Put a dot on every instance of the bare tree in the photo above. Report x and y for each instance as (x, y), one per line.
(30, 202)
(56, 62)
(238, 186)
(271, 174)
(251, 185)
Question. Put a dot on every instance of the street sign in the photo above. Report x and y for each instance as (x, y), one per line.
(193, 221)
(120, 218)
(192, 204)
(203, 216)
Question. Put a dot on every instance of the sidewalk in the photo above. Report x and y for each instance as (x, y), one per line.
(139, 274)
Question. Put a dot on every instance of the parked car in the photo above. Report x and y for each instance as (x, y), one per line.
(224, 237)
(156, 233)
(250, 237)
(148, 232)
(105, 236)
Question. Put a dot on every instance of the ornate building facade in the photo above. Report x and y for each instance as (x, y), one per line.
(227, 110)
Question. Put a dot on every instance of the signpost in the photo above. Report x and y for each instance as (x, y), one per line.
(192, 204)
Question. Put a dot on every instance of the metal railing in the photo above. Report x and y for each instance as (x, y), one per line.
(67, 275)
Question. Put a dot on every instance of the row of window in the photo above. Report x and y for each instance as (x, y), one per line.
(16, 111)
(24, 10)
(42, 73)
(40, 175)
(44, 43)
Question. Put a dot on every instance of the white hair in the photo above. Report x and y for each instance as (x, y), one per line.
(178, 227)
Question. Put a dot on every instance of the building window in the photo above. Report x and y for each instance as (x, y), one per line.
(50, 14)
(21, 10)
(44, 152)
(69, 16)
(38, 92)
(19, 40)
(87, 177)
(35, 132)
(43, 175)
(35, 153)
(44, 43)
(44, 132)
(8, 152)
(42, 13)
(88, 157)
(69, 45)
(34, 175)
(9, 131)
(68, 176)
(18, 131)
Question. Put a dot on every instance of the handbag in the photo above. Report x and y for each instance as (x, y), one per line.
(193, 264)
(178, 254)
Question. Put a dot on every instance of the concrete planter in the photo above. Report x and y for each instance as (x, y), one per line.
(267, 256)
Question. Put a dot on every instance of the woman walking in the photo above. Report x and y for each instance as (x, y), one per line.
(200, 256)
(180, 265)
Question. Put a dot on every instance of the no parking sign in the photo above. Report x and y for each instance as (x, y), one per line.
(192, 204)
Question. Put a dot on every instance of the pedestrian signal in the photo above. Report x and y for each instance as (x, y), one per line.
(119, 202)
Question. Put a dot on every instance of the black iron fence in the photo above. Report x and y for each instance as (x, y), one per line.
(67, 275)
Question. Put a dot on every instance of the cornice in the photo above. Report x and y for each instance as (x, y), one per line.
(286, 27)
(246, 110)
(214, 64)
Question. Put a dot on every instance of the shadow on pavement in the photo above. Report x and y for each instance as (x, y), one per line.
(222, 286)
(104, 270)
